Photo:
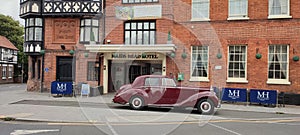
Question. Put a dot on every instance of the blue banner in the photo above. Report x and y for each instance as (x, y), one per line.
(234, 94)
(263, 96)
(61, 87)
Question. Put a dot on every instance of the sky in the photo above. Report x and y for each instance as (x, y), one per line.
(11, 8)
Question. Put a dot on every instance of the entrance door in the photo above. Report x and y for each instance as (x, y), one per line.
(64, 69)
(134, 71)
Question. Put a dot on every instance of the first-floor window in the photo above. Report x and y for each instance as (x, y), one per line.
(279, 7)
(200, 9)
(140, 32)
(237, 63)
(10, 71)
(278, 64)
(89, 30)
(238, 8)
(4, 66)
(93, 71)
(199, 62)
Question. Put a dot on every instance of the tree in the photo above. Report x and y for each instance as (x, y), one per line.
(14, 32)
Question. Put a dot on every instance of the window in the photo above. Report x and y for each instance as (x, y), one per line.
(33, 29)
(278, 64)
(4, 66)
(237, 63)
(140, 32)
(93, 71)
(200, 10)
(238, 9)
(10, 71)
(168, 82)
(152, 82)
(138, 1)
(199, 62)
(279, 9)
(89, 30)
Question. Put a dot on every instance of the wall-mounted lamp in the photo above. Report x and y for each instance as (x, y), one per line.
(104, 67)
(164, 68)
(108, 41)
(63, 47)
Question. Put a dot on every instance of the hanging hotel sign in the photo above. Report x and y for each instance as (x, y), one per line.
(139, 12)
(141, 56)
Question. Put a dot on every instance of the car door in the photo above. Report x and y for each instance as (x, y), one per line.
(155, 91)
(171, 91)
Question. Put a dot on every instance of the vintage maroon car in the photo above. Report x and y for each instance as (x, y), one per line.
(158, 90)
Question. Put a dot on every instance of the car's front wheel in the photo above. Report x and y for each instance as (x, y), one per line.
(136, 102)
(205, 106)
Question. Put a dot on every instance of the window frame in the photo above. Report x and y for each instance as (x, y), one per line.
(200, 78)
(274, 80)
(135, 30)
(278, 16)
(200, 3)
(237, 79)
(92, 71)
(33, 29)
(10, 71)
(139, 1)
(88, 25)
(241, 15)
(4, 71)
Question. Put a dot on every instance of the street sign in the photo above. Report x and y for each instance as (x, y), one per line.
(46, 70)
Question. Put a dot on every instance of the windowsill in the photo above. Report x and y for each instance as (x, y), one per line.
(275, 81)
(279, 17)
(237, 18)
(236, 81)
(200, 19)
(199, 80)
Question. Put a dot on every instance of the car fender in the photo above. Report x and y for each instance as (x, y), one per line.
(138, 92)
(193, 99)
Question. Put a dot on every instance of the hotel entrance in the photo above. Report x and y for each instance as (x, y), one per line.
(124, 72)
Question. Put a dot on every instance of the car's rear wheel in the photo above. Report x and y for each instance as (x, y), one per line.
(137, 102)
(205, 106)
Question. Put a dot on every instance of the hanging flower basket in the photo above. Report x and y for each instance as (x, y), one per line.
(219, 55)
(296, 58)
(183, 55)
(258, 56)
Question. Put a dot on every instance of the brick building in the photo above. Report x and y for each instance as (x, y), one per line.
(8, 60)
(221, 43)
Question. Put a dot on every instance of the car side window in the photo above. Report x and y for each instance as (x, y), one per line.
(168, 82)
(152, 82)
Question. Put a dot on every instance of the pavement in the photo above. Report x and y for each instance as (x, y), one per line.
(43, 107)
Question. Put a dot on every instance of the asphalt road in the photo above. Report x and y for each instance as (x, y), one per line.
(10, 87)
(232, 123)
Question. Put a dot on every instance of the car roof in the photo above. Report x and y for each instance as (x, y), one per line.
(139, 81)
